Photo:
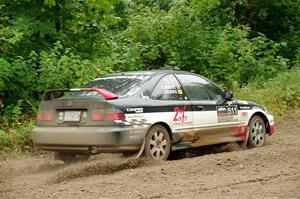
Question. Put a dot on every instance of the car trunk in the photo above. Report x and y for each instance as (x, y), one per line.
(78, 111)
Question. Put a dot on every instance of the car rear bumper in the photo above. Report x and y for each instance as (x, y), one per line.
(82, 139)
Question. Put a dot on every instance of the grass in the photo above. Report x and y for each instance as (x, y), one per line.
(17, 138)
(281, 95)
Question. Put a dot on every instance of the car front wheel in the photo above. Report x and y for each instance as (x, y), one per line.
(257, 132)
(157, 143)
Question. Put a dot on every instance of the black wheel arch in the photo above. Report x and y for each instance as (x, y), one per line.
(265, 119)
(168, 128)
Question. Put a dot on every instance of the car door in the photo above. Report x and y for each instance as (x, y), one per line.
(173, 107)
(214, 118)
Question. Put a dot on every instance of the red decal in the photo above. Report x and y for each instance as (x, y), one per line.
(179, 112)
(272, 129)
(244, 113)
(240, 131)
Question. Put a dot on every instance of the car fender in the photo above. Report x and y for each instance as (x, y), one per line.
(246, 116)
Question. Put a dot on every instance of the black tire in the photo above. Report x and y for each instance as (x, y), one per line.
(257, 132)
(69, 157)
(157, 143)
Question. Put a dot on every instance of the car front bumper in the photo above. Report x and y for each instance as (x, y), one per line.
(272, 124)
(82, 139)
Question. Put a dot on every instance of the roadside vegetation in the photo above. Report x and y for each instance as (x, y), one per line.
(249, 47)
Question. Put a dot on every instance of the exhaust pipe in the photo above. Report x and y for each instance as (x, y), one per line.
(92, 150)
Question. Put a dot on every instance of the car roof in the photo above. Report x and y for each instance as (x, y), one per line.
(150, 72)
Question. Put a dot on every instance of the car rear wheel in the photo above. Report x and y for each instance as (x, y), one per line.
(157, 143)
(69, 157)
(257, 132)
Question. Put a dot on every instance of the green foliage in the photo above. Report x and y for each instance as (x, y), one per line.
(4, 141)
(17, 128)
(13, 112)
(297, 61)
(279, 20)
(21, 136)
(18, 138)
(242, 45)
(5, 73)
(181, 38)
(280, 95)
(66, 69)
(58, 68)
(238, 59)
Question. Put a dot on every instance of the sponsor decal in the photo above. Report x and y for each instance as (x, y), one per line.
(179, 91)
(135, 116)
(135, 110)
(244, 116)
(245, 107)
(227, 110)
(179, 116)
(170, 91)
(227, 113)
(168, 87)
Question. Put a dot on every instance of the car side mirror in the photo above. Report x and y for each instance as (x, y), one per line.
(228, 95)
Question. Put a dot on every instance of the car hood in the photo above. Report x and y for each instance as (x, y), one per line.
(246, 105)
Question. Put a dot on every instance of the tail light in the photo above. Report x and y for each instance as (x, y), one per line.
(96, 116)
(39, 116)
(115, 116)
(48, 117)
(107, 114)
(44, 116)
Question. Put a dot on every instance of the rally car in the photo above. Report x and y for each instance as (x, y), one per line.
(161, 110)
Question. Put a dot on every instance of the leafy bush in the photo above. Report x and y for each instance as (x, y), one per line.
(241, 45)
(280, 95)
(185, 39)
(58, 68)
(21, 136)
(16, 129)
(18, 138)
(4, 141)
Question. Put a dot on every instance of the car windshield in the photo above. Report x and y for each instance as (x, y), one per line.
(121, 85)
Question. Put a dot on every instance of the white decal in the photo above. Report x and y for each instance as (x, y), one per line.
(136, 110)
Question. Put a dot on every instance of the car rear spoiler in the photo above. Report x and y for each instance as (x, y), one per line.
(55, 93)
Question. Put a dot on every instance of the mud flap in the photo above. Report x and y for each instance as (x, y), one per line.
(141, 150)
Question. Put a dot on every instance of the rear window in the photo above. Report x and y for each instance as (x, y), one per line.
(122, 85)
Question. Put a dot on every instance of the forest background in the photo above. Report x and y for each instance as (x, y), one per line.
(251, 47)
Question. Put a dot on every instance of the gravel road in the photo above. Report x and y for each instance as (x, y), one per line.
(272, 171)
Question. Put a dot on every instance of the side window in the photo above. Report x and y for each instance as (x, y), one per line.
(198, 88)
(214, 91)
(168, 88)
